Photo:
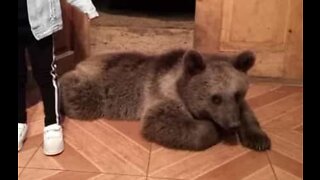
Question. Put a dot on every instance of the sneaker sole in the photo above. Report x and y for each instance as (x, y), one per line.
(19, 148)
(53, 153)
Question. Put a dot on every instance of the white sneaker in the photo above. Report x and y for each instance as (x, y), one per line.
(53, 140)
(22, 133)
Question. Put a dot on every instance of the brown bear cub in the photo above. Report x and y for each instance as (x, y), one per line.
(184, 99)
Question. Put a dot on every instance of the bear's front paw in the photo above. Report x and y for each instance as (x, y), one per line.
(255, 139)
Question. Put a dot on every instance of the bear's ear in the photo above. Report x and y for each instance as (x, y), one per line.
(244, 61)
(193, 62)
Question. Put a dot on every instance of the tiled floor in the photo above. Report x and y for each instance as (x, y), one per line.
(114, 150)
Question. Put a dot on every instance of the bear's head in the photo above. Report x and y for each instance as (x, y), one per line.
(214, 86)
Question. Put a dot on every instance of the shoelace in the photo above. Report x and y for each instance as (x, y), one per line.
(52, 130)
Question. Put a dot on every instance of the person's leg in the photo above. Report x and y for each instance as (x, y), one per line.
(22, 78)
(43, 65)
(44, 71)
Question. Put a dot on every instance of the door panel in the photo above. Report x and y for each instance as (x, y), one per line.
(272, 29)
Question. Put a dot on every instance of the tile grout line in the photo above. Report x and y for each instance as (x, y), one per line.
(149, 159)
(278, 100)
(29, 160)
(276, 117)
(93, 172)
(268, 91)
(116, 153)
(34, 154)
(122, 134)
(273, 171)
(21, 172)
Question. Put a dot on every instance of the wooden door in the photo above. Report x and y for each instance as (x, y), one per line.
(271, 28)
(72, 42)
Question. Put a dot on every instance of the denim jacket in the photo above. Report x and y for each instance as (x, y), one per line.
(45, 16)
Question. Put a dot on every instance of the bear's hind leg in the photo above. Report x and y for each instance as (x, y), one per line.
(81, 98)
(169, 125)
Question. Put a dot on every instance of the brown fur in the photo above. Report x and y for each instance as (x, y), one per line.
(184, 99)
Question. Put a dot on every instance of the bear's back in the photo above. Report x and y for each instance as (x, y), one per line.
(119, 80)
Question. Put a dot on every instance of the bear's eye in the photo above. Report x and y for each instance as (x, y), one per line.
(216, 99)
(238, 96)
